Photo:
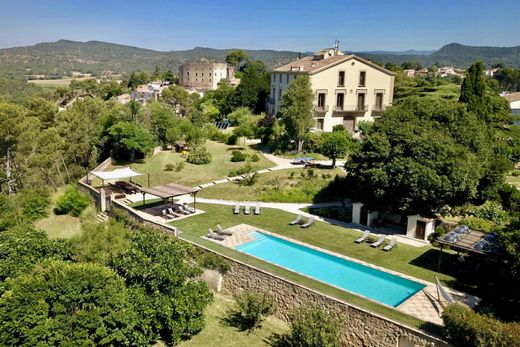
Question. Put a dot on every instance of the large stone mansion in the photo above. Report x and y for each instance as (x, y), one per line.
(348, 89)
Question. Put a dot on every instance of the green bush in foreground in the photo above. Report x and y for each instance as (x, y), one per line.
(72, 202)
(251, 309)
(465, 328)
(311, 326)
(238, 156)
(66, 304)
(199, 156)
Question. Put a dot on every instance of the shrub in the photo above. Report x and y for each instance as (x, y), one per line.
(199, 156)
(312, 327)
(465, 328)
(72, 202)
(338, 127)
(246, 169)
(491, 211)
(249, 179)
(312, 143)
(232, 140)
(238, 156)
(250, 310)
(33, 204)
(479, 224)
(255, 158)
(179, 166)
(169, 167)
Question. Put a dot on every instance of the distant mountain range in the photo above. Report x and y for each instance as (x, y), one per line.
(63, 56)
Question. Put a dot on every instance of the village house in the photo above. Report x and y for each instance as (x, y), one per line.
(348, 89)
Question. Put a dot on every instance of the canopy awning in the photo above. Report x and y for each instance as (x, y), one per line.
(122, 173)
(169, 190)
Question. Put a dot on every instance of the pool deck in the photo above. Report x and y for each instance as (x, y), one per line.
(422, 304)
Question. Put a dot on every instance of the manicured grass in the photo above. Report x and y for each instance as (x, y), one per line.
(278, 186)
(513, 180)
(316, 156)
(192, 175)
(406, 259)
(218, 333)
(413, 261)
(60, 227)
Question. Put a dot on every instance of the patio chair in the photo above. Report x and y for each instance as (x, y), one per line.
(378, 242)
(298, 220)
(188, 208)
(391, 245)
(212, 235)
(247, 209)
(310, 222)
(181, 209)
(363, 238)
(257, 209)
(171, 212)
(166, 215)
(237, 209)
(221, 231)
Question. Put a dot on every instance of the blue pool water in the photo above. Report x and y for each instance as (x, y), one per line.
(374, 284)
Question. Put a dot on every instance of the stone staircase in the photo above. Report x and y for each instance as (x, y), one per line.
(102, 217)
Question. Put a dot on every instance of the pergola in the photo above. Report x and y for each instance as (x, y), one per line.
(117, 174)
(169, 191)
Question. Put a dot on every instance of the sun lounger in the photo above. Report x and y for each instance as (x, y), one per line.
(257, 209)
(212, 235)
(391, 245)
(363, 238)
(180, 209)
(167, 215)
(171, 212)
(310, 222)
(378, 242)
(298, 220)
(221, 231)
(188, 208)
(237, 209)
(247, 209)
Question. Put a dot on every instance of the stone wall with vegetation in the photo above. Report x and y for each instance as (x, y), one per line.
(360, 328)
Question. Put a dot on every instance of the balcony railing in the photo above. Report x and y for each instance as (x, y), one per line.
(379, 108)
(321, 109)
(350, 108)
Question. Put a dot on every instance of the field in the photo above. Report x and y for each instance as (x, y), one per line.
(290, 185)
(218, 333)
(192, 175)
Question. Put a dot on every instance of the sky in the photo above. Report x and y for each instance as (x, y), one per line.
(302, 25)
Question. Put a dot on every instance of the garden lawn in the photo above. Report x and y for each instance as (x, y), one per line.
(279, 186)
(60, 227)
(192, 175)
(218, 333)
(403, 259)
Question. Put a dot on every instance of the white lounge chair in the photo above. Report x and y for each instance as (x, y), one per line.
(378, 242)
(363, 238)
(247, 209)
(221, 231)
(189, 208)
(181, 209)
(237, 209)
(391, 245)
(257, 209)
(212, 235)
(310, 222)
(174, 213)
(166, 215)
(298, 220)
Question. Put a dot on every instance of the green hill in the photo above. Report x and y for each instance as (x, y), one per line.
(63, 56)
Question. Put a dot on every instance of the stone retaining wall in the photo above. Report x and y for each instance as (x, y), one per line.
(360, 329)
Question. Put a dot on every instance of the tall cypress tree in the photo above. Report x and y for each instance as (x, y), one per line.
(473, 90)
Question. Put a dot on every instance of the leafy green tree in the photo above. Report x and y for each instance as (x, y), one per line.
(221, 98)
(162, 119)
(425, 153)
(71, 202)
(42, 109)
(473, 91)
(178, 98)
(168, 76)
(311, 326)
(128, 139)
(67, 304)
(137, 78)
(22, 247)
(254, 86)
(236, 57)
(296, 109)
(250, 309)
(156, 75)
(335, 145)
(170, 302)
(247, 128)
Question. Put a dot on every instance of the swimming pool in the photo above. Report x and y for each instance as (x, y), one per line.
(371, 283)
